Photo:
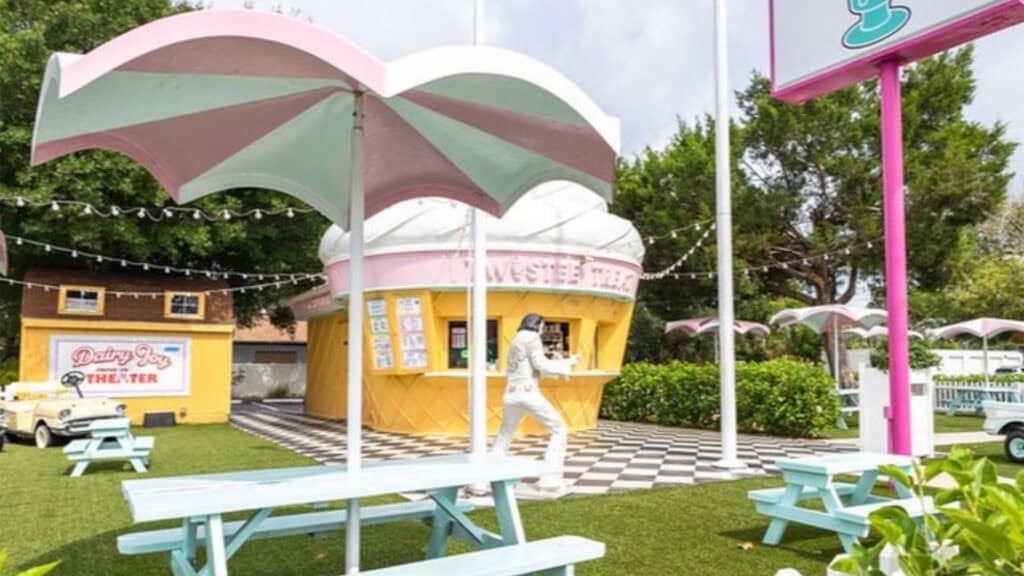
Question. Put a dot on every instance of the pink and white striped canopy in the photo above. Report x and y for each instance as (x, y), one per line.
(822, 319)
(698, 326)
(979, 327)
(212, 100)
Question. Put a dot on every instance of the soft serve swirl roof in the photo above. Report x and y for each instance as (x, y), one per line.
(553, 217)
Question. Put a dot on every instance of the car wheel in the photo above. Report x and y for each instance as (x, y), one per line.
(1014, 445)
(44, 438)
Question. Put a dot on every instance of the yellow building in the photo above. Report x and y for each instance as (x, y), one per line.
(557, 253)
(159, 344)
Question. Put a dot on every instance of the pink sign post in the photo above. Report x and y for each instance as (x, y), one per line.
(819, 47)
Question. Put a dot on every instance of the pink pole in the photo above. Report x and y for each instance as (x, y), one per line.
(895, 259)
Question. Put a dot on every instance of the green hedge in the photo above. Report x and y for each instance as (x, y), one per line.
(997, 379)
(782, 397)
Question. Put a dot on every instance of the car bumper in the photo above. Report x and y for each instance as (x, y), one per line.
(73, 428)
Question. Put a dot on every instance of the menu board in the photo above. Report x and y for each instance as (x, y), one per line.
(410, 333)
(380, 331)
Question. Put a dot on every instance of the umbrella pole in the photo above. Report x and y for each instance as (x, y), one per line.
(354, 422)
(835, 352)
(984, 357)
(478, 347)
(723, 222)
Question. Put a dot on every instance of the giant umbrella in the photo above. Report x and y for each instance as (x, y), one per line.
(214, 100)
(983, 328)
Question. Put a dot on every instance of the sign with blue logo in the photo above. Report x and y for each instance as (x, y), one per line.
(823, 45)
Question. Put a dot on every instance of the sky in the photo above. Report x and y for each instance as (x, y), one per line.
(647, 62)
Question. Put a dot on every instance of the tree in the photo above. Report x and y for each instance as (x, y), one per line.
(30, 30)
(807, 182)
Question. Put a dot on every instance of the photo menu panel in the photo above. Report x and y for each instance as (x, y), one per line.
(380, 334)
(410, 332)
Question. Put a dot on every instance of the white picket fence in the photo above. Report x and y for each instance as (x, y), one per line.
(257, 380)
(975, 391)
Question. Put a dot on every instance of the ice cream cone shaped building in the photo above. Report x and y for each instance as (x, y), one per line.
(557, 252)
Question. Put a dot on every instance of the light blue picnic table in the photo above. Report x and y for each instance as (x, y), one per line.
(846, 506)
(109, 439)
(200, 502)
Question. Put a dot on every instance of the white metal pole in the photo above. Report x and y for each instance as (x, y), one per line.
(723, 204)
(478, 346)
(354, 422)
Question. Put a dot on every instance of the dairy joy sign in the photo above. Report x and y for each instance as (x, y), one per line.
(823, 45)
(124, 366)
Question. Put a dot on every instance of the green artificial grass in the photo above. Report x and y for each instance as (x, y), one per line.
(994, 452)
(46, 515)
(944, 423)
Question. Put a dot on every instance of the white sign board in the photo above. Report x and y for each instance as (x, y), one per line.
(824, 45)
(124, 366)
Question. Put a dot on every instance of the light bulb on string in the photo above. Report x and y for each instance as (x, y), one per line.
(115, 211)
(257, 214)
(196, 215)
(47, 248)
(55, 207)
(227, 215)
(99, 258)
(87, 210)
(124, 264)
(142, 213)
(74, 253)
(20, 202)
(291, 213)
(19, 241)
(168, 213)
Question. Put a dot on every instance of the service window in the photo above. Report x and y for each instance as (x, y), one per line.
(556, 339)
(184, 305)
(85, 300)
(458, 345)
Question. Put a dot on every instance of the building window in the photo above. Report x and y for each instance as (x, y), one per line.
(556, 339)
(184, 305)
(85, 300)
(458, 345)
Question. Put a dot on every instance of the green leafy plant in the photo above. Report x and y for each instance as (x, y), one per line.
(785, 397)
(37, 571)
(921, 355)
(978, 530)
(279, 391)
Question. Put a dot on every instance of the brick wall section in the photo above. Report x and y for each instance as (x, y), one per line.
(38, 303)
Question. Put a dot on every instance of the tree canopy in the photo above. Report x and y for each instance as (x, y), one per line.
(807, 182)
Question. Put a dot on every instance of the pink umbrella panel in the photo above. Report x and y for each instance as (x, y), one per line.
(698, 326)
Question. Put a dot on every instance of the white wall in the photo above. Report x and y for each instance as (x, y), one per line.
(249, 380)
(963, 362)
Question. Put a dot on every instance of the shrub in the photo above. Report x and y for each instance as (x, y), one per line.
(784, 397)
(979, 379)
(980, 531)
(279, 391)
(8, 371)
(921, 355)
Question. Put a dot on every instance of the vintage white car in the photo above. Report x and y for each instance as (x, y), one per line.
(1007, 419)
(46, 410)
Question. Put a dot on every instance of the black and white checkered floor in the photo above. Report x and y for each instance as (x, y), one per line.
(616, 456)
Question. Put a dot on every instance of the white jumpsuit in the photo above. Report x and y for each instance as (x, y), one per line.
(526, 363)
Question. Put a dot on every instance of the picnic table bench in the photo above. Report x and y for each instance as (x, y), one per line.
(199, 503)
(846, 506)
(109, 439)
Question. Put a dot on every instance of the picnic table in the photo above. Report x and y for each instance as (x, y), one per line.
(109, 439)
(846, 506)
(200, 502)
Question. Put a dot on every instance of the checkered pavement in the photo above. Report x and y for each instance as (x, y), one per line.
(614, 457)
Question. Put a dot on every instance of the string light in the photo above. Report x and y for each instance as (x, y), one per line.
(155, 214)
(761, 268)
(682, 260)
(160, 294)
(125, 263)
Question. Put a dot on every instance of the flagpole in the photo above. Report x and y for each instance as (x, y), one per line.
(723, 209)
(478, 333)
